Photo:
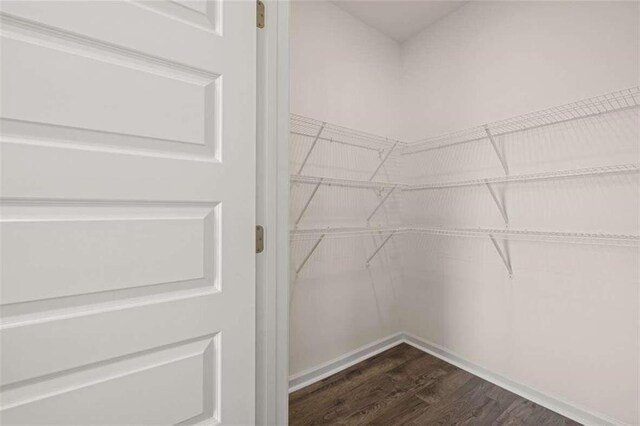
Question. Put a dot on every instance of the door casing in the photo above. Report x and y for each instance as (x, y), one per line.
(272, 211)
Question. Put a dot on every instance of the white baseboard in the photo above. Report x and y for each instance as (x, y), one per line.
(312, 375)
(315, 374)
(568, 410)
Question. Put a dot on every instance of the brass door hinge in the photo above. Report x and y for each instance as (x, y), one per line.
(260, 14)
(259, 239)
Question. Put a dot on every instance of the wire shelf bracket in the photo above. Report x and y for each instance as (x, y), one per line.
(306, 205)
(306, 258)
(379, 248)
(381, 203)
(499, 204)
(498, 151)
(503, 252)
(375, 172)
(313, 145)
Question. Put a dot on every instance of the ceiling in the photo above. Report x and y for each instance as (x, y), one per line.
(398, 19)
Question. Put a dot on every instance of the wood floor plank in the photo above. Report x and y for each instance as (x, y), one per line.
(471, 404)
(405, 386)
(401, 414)
(388, 389)
(523, 412)
(380, 362)
(440, 389)
(417, 398)
(309, 405)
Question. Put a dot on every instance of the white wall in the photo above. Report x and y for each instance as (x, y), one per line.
(343, 71)
(346, 73)
(493, 60)
(566, 324)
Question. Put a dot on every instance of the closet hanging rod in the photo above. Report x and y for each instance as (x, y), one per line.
(351, 183)
(615, 101)
(575, 173)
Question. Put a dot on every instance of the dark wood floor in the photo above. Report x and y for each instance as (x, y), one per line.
(405, 386)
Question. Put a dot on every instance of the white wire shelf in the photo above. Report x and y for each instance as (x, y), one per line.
(560, 174)
(318, 235)
(329, 232)
(575, 173)
(591, 107)
(528, 235)
(624, 240)
(323, 131)
(351, 183)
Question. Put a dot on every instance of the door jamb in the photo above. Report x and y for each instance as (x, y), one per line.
(272, 211)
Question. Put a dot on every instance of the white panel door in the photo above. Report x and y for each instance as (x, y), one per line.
(127, 212)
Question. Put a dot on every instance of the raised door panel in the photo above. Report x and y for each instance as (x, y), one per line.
(71, 249)
(173, 31)
(96, 95)
(139, 389)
